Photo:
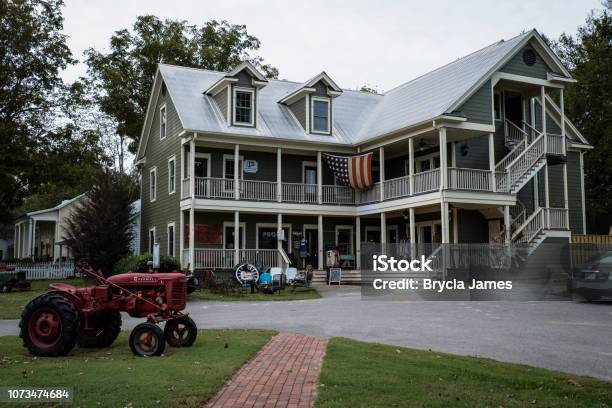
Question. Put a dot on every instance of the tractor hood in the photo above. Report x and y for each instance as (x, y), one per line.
(146, 279)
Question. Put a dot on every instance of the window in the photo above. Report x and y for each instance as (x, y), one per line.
(243, 106)
(153, 184)
(497, 106)
(151, 239)
(171, 239)
(228, 167)
(162, 122)
(171, 175)
(320, 115)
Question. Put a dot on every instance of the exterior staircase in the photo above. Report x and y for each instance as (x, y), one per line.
(529, 150)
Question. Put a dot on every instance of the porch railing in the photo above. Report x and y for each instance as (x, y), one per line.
(186, 188)
(514, 135)
(209, 187)
(299, 193)
(216, 258)
(426, 181)
(369, 196)
(44, 270)
(258, 190)
(554, 143)
(469, 179)
(541, 219)
(343, 195)
(397, 187)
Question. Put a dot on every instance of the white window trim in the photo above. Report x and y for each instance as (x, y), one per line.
(308, 164)
(252, 118)
(275, 226)
(242, 225)
(346, 227)
(227, 157)
(419, 230)
(208, 162)
(165, 121)
(312, 101)
(499, 107)
(418, 160)
(173, 225)
(150, 247)
(152, 197)
(172, 186)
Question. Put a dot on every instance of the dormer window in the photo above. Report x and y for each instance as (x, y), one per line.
(321, 109)
(244, 106)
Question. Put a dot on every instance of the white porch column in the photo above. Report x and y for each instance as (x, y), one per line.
(411, 164)
(319, 178)
(381, 151)
(236, 237)
(546, 195)
(507, 232)
(279, 243)
(455, 226)
(543, 106)
(563, 146)
(383, 232)
(443, 159)
(191, 238)
(191, 172)
(279, 178)
(236, 171)
(445, 222)
(31, 225)
(182, 239)
(412, 226)
(16, 242)
(358, 242)
(492, 161)
(320, 241)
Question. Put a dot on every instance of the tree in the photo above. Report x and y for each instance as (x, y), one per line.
(124, 76)
(366, 88)
(41, 149)
(100, 229)
(588, 104)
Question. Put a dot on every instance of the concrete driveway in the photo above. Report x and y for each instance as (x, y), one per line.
(566, 336)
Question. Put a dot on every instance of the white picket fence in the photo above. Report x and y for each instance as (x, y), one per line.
(45, 270)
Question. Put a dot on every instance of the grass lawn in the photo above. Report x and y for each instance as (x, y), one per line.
(113, 377)
(298, 293)
(357, 374)
(12, 304)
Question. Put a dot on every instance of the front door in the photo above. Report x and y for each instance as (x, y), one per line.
(310, 179)
(201, 173)
(513, 103)
(312, 239)
(229, 237)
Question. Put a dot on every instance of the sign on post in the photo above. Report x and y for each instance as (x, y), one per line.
(156, 256)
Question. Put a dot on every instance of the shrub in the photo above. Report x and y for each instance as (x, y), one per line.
(138, 263)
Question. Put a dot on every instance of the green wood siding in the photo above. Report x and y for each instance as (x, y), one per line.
(574, 187)
(478, 108)
(165, 208)
(517, 66)
(298, 108)
(222, 100)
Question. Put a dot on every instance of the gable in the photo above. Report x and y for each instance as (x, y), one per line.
(478, 108)
(517, 65)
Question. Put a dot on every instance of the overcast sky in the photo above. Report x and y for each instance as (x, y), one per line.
(378, 42)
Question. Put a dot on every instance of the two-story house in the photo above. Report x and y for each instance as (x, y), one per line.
(478, 150)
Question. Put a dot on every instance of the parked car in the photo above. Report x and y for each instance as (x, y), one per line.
(593, 280)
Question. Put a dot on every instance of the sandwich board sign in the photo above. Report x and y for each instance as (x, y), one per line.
(335, 275)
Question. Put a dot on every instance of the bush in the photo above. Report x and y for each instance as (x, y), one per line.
(138, 263)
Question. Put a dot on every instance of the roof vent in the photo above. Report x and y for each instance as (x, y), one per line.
(529, 57)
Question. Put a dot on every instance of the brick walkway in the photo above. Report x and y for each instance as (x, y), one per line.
(282, 374)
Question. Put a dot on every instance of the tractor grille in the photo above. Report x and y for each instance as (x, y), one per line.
(176, 293)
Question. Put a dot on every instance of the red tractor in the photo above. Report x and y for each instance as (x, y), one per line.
(53, 323)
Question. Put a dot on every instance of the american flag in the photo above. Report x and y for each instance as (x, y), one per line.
(354, 171)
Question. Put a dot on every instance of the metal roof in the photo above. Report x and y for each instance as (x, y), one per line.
(357, 116)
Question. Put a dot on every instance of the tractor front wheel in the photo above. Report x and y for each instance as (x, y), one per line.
(147, 340)
(105, 329)
(181, 332)
(49, 326)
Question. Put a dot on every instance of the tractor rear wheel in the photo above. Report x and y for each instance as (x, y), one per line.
(147, 339)
(105, 329)
(181, 332)
(49, 326)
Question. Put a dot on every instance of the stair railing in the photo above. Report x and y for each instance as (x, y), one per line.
(526, 160)
(513, 134)
(531, 227)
